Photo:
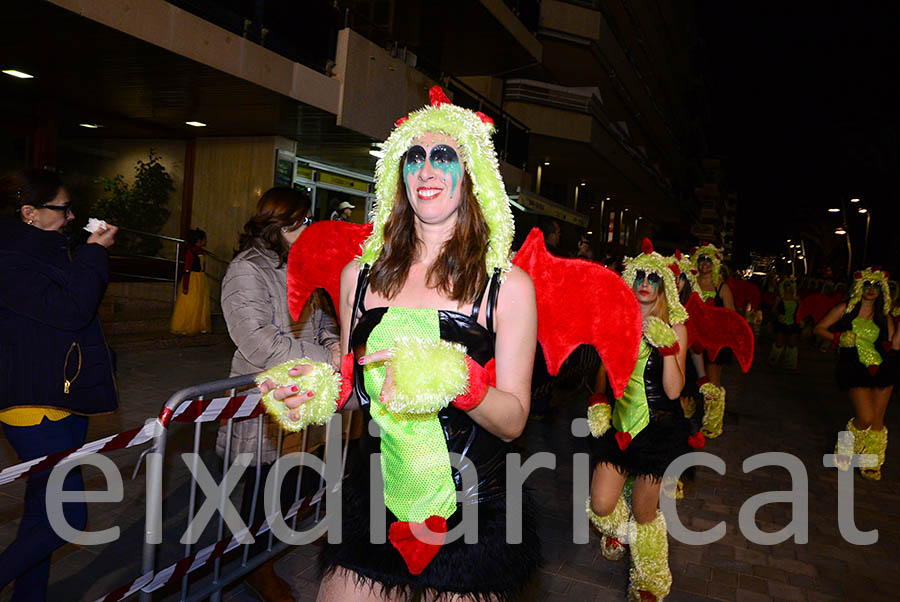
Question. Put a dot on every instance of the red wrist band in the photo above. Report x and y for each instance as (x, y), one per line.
(597, 398)
(479, 381)
(836, 339)
(671, 350)
(702, 381)
(347, 366)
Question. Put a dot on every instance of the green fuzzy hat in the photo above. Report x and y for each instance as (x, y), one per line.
(472, 131)
(876, 276)
(653, 263)
(714, 254)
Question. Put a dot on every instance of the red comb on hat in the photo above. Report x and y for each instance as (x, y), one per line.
(646, 246)
(437, 96)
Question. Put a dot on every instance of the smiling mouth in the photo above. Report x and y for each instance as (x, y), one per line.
(426, 194)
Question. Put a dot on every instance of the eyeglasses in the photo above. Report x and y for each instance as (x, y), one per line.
(61, 208)
(306, 221)
(868, 284)
(653, 278)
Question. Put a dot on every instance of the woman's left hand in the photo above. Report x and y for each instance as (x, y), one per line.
(387, 388)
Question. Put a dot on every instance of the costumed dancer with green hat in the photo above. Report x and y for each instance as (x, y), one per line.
(641, 433)
(863, 331)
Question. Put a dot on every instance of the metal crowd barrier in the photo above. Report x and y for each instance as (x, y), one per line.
(198, 405)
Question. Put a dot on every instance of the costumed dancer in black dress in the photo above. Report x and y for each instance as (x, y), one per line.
(787, 331)
(439, 331)
(862, 330)
(706, 261)
(648, 432)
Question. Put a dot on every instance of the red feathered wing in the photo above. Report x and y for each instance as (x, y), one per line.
(317, 258)
(743, 292)
(581, 302)
(713, 328)
(816, 305)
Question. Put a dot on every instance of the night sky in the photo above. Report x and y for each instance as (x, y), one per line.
(803, 105)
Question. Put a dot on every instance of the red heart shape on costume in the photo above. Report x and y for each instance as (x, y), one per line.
(873, 369)
(623, 439)
(418, 543)
(697, 440)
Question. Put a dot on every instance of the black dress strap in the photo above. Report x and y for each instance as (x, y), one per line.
(362, 283)
(476, 307)
(492, 301)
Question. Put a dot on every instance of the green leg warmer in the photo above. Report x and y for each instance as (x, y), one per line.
(775, 354)
(614, 527)
(650, 560)
(875, 443)
(789, 359)
(713, 411)
(849, 446)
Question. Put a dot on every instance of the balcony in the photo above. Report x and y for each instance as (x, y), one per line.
(570, 126)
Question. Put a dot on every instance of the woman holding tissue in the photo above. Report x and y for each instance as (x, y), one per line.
(55, 368)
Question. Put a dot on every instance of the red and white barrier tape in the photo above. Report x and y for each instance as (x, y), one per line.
(197, 410)
(150, 582)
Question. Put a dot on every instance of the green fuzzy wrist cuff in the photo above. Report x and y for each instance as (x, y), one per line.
(659, 334)
(323, 381)
(599, 417)
(428, 375)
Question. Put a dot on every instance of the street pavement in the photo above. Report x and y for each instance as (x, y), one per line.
(767, 410)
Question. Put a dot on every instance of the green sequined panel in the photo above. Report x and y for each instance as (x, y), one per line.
(415, 464)
(632, 413)
(866, 332)
(790, 311)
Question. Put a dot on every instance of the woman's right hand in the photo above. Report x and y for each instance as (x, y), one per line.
(104, 237)
(291, 395)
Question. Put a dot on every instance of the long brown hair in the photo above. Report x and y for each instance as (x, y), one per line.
(459, 270)
(277, 208)
(661, 307)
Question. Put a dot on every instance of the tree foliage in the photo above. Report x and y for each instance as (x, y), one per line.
(142, 205)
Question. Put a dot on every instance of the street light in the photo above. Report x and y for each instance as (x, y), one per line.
(854, 200)
(834, 210)
(840, 231)
(866, 243)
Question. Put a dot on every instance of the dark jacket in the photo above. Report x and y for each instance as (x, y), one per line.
(49, 330)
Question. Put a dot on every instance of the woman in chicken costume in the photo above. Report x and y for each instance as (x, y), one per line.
(706, 275)
(862, 330)
(642, 432)
(439, 328)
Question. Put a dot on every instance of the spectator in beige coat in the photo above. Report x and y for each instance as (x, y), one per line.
(254, 302)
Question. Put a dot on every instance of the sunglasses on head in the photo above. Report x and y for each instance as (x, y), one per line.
(652, 278)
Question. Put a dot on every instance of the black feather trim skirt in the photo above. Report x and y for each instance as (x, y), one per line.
(491, 570)
(650, 452)
(851, 373)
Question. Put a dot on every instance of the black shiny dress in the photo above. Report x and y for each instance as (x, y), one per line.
(851, 371)
(490, 569)
(665, 436)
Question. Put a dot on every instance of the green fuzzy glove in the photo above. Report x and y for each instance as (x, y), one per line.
(428, 375)
(661, 335)
(848, 339)
(323, 381)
